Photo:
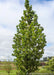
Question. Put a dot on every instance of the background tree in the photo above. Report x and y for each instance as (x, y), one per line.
(50, 64)
(45, 59)
(29, 41)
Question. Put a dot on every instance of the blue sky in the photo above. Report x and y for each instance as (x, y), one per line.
(10, 14)
(34, 1)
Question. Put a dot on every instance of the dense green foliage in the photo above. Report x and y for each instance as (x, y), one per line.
(50, 64)
(29, 41)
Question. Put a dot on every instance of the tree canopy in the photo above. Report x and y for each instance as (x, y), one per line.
(29, 41)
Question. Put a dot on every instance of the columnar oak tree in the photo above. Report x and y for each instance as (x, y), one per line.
(29, 41)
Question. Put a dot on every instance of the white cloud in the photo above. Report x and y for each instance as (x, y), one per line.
(10, 13)
(3, 58)
(49, 51)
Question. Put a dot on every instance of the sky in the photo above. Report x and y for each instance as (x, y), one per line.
(10, 14)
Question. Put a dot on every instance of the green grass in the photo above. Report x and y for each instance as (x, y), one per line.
(3, 72)
(13, 72)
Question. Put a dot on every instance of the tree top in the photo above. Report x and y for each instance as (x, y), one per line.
(26, 4)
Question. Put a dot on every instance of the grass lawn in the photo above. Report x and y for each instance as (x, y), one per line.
(3, 72)
(13, 72)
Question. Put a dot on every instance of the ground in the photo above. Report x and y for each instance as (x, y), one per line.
(42, 69)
